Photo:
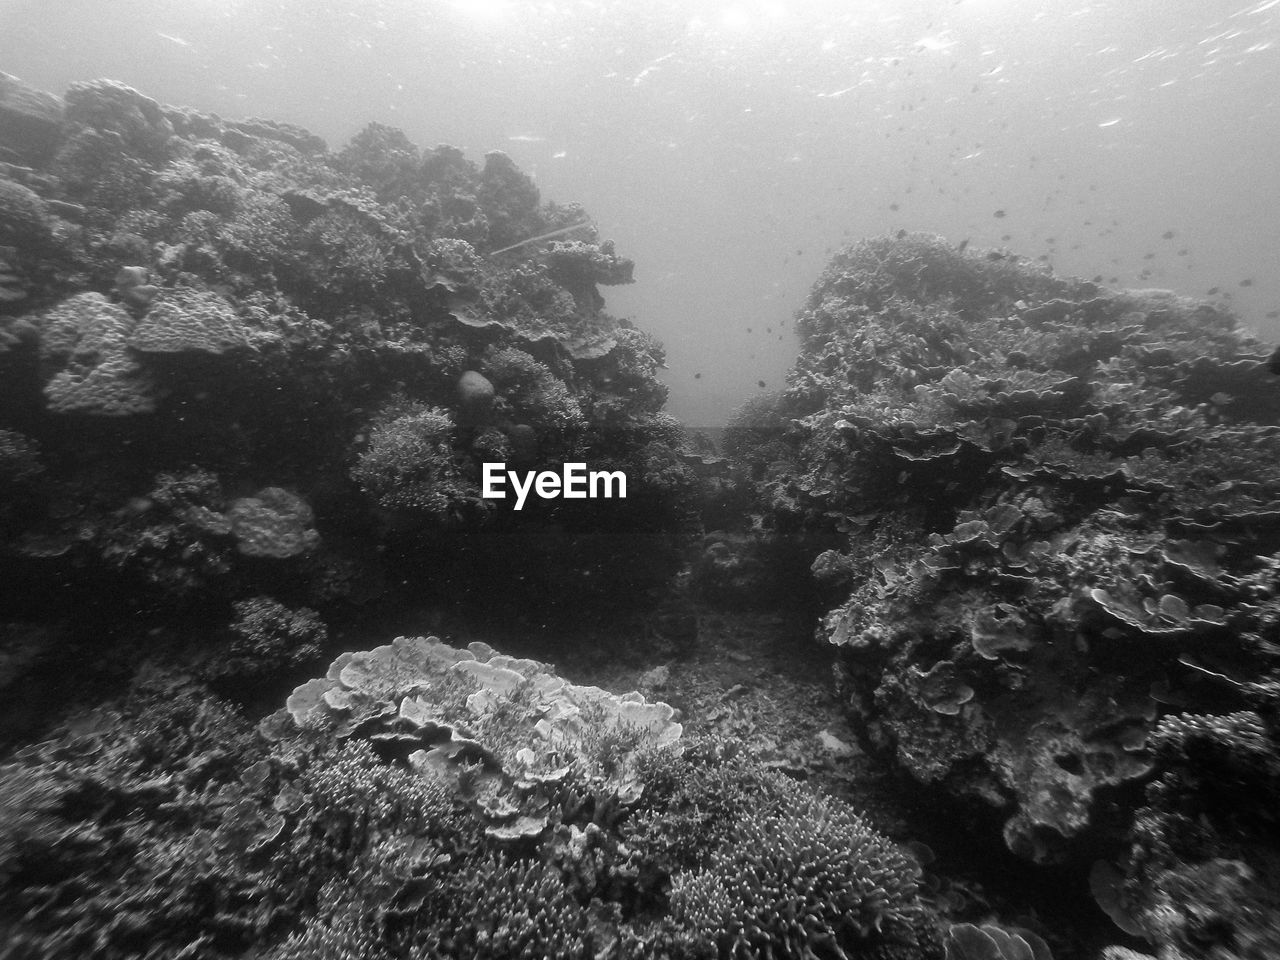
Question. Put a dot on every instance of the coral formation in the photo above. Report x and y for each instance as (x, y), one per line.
(85, 337)
(272, 523)
(182, 320)
(269, 638)
(1023, 471)
(409, 464)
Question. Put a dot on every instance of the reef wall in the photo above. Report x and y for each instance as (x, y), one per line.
(1056, 595)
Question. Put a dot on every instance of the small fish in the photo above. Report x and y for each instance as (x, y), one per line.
(893, 206)
(1167, 235)
(1247, 282)
(1211, 291)
(963, 243)
(697, 376)
(1272, 314)
(760, 384)
(999, 214)
(748, 330)
(901, 234)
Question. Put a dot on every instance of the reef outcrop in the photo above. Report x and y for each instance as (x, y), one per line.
(333, 342)
(1058, 505)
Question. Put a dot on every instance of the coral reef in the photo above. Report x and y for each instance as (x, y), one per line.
(230, 296)
(385, 812)
(1056, 548)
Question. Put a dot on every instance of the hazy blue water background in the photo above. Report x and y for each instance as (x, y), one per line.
(730, 147)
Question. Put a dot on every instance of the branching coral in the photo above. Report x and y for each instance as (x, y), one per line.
(409, 465)
(268, 637)
(805, 883)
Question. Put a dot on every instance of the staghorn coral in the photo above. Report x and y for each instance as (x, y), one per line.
(810, 881)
